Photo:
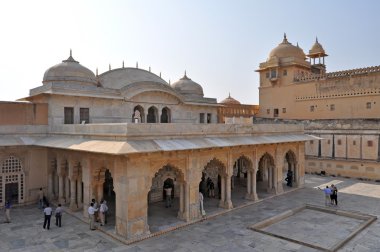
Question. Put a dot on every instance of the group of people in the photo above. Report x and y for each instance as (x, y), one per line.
(207, 187)
(331, 195)
(48, 211)
(96, 214)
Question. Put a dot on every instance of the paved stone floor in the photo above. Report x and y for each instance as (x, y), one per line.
(226, 232)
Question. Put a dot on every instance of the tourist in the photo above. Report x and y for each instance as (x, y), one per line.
(327, 192)
(96, 215)
(168, 195)
(331, 194)
(102, 212)
(7, 208)
(289, 178)
(334, 195)
(106, 212)
(203, 212)
(40, 198)
(208, 182)
(91, 215)
(47, 214)
(58, 216)
(212, 190)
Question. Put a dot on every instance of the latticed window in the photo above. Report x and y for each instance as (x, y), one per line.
(11, 165)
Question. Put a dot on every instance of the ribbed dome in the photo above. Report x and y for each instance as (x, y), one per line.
(186, 86)
(317, 48)
(230, 100)
(70, 71)
(286, 49)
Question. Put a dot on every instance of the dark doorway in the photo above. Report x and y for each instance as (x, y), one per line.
(11, 192)
(152, 115)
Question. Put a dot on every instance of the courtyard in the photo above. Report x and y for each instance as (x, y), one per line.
(221, 231)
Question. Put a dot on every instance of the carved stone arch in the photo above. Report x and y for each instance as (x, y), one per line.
(140, 117)
(215, 162)
(152, 115)
(249, 163)
(165, 115)
(164, 170)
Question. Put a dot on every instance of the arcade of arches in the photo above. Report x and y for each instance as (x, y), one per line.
(133, 185)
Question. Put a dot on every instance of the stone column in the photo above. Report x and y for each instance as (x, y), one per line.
(228, 203)
(222, 191)
(73, 194)
(60, 189)
(79, 192)
(50, 185)
(86, 186)
(187, 201)
(99, 191)
(254, 185)
(181, 202)
(270, 178)
(249, 188)
(67, 189)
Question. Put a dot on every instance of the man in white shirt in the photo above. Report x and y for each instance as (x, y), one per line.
(103, 209)
(47, 213)
(91, 216)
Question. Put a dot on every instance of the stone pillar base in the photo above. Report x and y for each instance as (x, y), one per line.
(73, 207)
(182, 216)
(222, 204)
(252, 196)
(280, 188)
(228, 204)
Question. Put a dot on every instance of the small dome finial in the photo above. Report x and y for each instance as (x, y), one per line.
(109, 67)
(97, 72)
(137, 64)
(123, 63)
(229, 94)
(169, 81)
(149, 68)
(316, 39)
(297, 44)
(71, 53)
(285, 39)
(185, 73)
(160, 74)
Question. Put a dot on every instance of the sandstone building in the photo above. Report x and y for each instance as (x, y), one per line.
(124, 134)
(341, 107)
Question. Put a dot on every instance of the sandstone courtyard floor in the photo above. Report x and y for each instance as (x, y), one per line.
(224, 232)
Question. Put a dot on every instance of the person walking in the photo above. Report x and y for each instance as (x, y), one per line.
(47, 213)
(289, 178)
(202, 210)
(91, 215)
(96, 215)
(327, 192)
(102, 212)
(40, 198)
(58, 215)
(7, 211)
(334, 195)
(168, 195)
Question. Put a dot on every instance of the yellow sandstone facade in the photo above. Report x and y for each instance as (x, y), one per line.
(341, 107)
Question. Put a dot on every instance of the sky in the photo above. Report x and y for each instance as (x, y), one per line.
(219, 43)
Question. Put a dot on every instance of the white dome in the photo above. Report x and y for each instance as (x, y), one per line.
(187, 87)
(70, 71)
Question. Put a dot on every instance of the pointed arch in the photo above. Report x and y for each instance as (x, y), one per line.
(165, 115)
(152, 116)
(138, 114)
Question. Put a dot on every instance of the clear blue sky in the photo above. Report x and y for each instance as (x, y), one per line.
(219, 43)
